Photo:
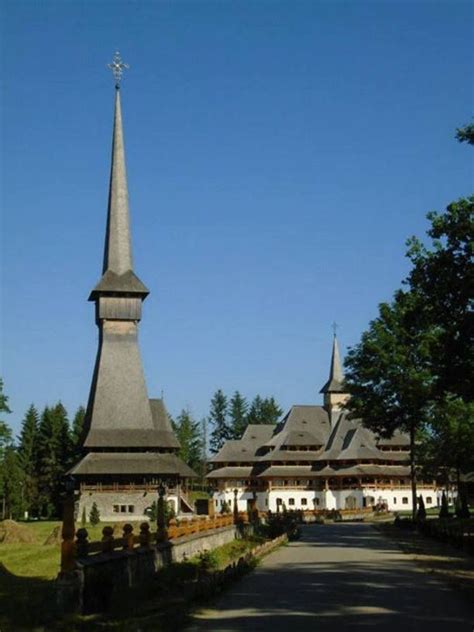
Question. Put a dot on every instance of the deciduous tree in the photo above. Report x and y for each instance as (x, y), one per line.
(388, 374)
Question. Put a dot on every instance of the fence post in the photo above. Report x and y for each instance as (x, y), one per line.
(107, 539)
(68, 549)
(127, 537)
(145, 535)
(236, 508)
(82, 543)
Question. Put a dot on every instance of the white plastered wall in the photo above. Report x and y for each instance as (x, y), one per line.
(396, 499)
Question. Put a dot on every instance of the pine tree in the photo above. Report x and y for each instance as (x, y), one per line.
(264, 411)
(5, 431)
(421, 514)
(5, 443)
(76, 434)
(218, 418)
(63, 434)
(203, 428)
(53, 458)
(270, 411)
(12, 484)
(255, 411)
(94, 515)
(238, 408)
(189, 436)
(27, 459)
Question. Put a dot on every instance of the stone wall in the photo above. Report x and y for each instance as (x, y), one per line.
(100, 579)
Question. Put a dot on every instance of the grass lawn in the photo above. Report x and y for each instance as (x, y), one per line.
(27, 572)
(27, 589)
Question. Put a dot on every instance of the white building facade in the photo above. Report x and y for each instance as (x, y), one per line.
(317, 458)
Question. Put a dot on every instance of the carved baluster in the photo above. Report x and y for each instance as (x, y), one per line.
(107, 539)
(128, 537)
(145, 535)
(82, 543)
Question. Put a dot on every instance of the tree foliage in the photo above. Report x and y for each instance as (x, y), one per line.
(188, 432)
(466, 134)
(414, 367)
(5, 430)
(27, 458)
(238, 408)
(221, 430)
(442, 279)
(77, 434)
(388, 374)
(53, 458)
(94, 515)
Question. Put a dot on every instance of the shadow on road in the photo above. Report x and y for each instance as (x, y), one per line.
(338, 577)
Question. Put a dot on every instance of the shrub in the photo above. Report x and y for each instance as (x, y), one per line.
(421, 513)
(444, 511)
(208, 561)
(94, 515)
(462, 508)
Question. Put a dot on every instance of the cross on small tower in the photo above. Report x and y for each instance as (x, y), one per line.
(335, 327)
(117, 67)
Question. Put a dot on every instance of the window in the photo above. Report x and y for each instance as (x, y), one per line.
(304, 501)
(405, 500)
(316, 501)
(123, 508)
(291, 501)
(116, 508)
(429, 500)
(131, 509)
(394, 501)
(279, 501)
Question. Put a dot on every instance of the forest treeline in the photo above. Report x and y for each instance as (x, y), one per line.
(33, 465)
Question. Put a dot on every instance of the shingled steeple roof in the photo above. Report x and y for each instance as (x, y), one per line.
(118, 276)
(335, 383)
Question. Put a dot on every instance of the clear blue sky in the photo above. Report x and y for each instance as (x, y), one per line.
(279, 154)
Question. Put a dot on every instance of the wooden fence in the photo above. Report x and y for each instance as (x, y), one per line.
(145, 538)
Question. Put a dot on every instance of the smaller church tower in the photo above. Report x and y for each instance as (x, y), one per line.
(335, 394)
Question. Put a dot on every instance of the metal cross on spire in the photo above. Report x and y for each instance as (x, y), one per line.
(335, 327)
(117, 67)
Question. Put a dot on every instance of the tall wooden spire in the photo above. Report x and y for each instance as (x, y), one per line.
(117, 271)
(118, 243)
(119, 413)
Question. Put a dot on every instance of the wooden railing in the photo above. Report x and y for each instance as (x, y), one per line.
(197, 525)
(145, 538)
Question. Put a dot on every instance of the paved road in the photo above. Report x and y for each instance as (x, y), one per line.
(341, 577)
